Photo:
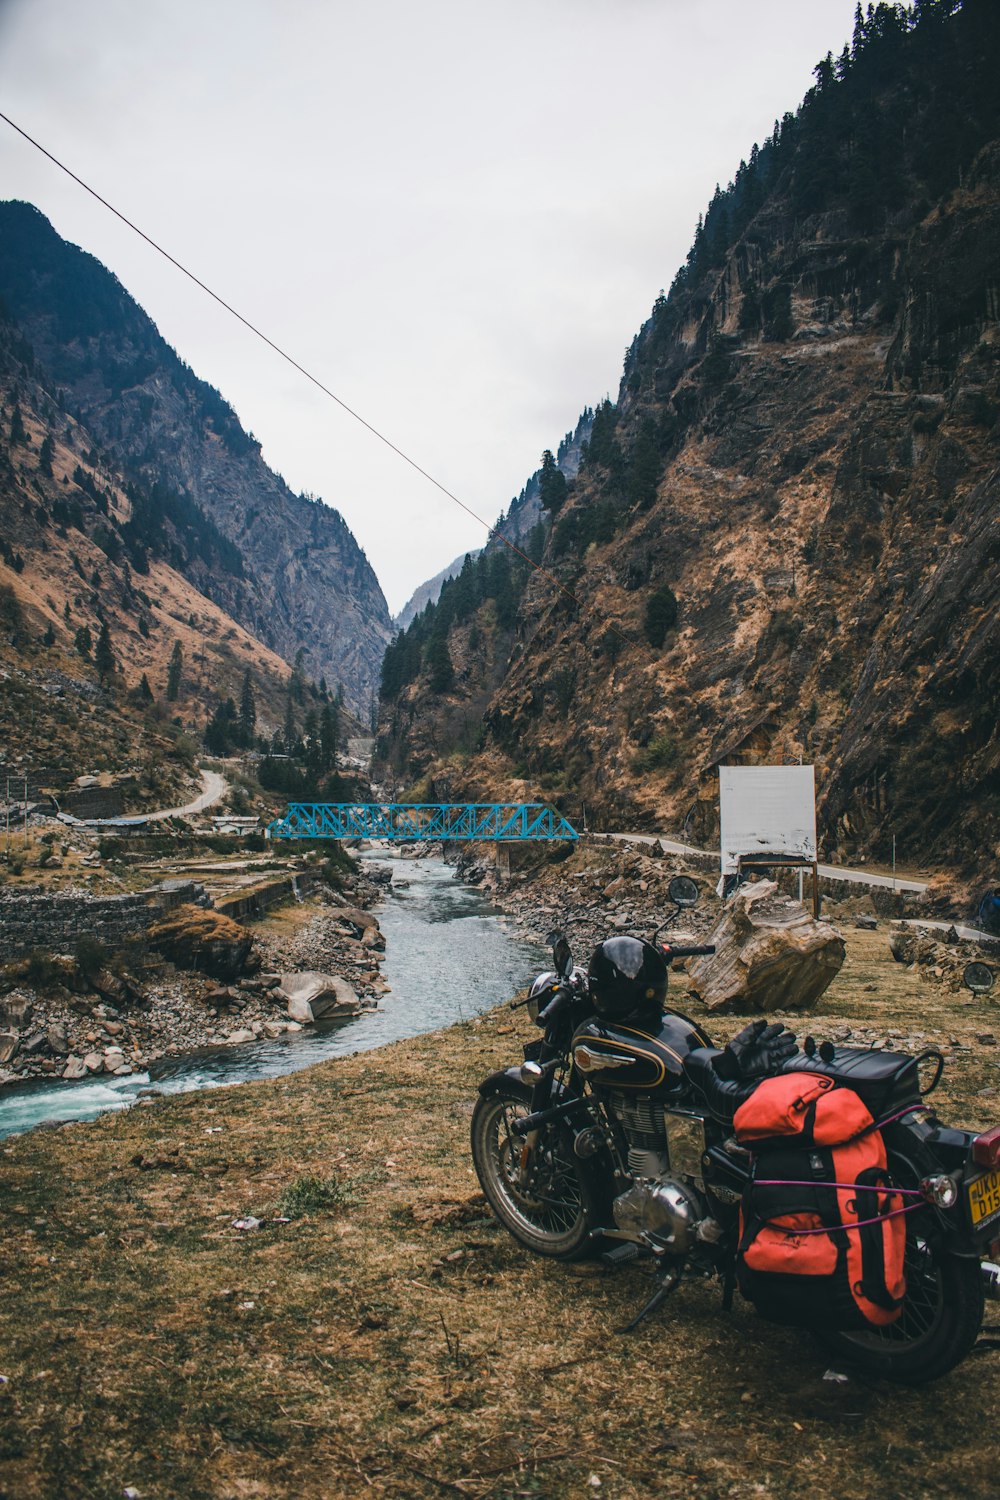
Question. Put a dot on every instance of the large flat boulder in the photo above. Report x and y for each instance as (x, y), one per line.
(771, 954)
(195, 938)
(318, 997)
(361, 922)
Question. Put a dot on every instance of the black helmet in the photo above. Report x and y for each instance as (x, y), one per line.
(625, 975)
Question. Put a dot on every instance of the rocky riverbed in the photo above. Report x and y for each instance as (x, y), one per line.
(61, 1019)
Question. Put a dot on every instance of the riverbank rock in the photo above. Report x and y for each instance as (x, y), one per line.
(195, 938)
(770, 955)
(362, 922)
(318, 997)
(16, 1010)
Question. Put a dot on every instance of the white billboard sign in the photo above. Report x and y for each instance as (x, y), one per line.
(767, 810)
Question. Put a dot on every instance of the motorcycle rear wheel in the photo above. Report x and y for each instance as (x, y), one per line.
(547, 1210)
(942, 1312)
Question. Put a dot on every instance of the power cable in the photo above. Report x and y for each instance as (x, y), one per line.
(382, 438)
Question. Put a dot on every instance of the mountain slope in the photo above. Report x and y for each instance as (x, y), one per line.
(298, 579)
(784, 539)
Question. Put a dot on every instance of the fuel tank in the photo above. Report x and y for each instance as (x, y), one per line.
(646, 1054)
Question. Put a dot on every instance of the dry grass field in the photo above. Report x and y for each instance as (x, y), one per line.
(390, 1339)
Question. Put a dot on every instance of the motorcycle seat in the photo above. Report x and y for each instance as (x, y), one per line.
(880, 1078)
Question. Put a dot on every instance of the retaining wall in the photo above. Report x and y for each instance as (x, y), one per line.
(247, 905)
(56, 923)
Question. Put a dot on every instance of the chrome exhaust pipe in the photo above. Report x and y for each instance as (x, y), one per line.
(991, 1280)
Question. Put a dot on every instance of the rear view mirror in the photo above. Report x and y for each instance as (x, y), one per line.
(562, 956)
(978, 978)
(683, 891)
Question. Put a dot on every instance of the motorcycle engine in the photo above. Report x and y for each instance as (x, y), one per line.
(665, 1203)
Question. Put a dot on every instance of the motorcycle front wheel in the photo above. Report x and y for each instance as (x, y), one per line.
(542, 1200)
(942, 1311)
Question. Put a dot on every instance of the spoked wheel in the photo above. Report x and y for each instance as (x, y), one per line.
(537, 1196)
(942, 1312)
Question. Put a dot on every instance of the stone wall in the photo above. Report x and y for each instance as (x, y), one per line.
(93, 802)
(56, 923)
(248, 904)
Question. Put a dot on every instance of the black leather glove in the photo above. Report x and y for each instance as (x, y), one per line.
(758, 1050)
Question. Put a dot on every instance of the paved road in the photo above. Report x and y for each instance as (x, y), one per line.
(831, 872)
(213, 787)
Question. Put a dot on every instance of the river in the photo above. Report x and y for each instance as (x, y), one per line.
(448, 957)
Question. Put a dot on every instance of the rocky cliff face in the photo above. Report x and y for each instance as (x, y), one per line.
(784, 539)
(304, 584)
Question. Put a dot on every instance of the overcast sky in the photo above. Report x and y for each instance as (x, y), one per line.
(455, 214)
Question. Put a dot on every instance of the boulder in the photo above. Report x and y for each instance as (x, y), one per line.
(318, 997)
(93, 1062)
(57, 1037)
(9, 1043)
(75, 1067)
(354, 917)
(16, 1010)
(771, 954)
(195, 938)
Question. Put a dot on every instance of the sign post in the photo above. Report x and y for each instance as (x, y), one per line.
(768, 819)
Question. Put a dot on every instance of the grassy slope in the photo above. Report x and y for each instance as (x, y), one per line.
(396, 1342)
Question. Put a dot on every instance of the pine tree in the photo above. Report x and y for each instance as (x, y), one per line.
(222, 729)
(661, 615)
(45, 456)
(17, 429)
(145, 691)
(104, 656)
(439, 663)
(174, 669)
(328, 735)
(83, 640)
(551, 484)
(248, 711)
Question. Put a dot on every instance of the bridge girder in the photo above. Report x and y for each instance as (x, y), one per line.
(423, 822)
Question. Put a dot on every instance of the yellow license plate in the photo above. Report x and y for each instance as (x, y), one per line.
(984, 1198)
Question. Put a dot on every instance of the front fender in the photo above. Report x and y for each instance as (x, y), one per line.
(499, 1082)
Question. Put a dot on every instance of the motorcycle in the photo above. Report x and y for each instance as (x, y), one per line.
(615, 1137)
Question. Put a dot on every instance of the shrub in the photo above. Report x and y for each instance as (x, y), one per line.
(661, 753)
(661, 615)
(309, 1195)
(91, 953)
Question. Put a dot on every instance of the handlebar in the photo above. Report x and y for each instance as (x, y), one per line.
(669, 951)
(562, 994)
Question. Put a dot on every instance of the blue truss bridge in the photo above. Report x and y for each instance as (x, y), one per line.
(426, 822)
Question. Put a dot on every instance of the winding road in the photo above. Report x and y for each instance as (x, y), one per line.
(213, 787)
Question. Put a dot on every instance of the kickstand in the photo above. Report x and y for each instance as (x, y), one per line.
(666, 1286)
